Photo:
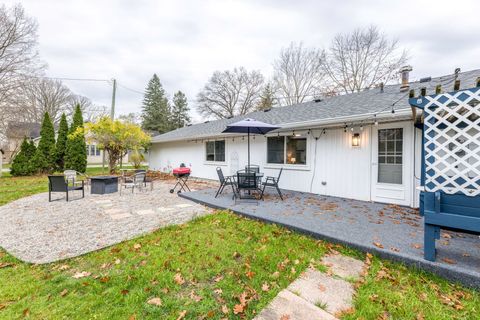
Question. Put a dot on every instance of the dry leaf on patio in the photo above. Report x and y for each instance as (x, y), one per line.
(285, 317)
(179, 279)
(449, 261)
(378, 245)
(64, 292)
(321, 287)
(155, 301)
(416, 246)
(182, 315)
(82, 274)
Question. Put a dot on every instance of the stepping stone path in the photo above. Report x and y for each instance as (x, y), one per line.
(315, 294)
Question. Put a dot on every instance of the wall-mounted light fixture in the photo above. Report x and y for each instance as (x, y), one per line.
(356, 140)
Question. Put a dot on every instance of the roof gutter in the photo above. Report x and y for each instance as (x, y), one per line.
(400, 114)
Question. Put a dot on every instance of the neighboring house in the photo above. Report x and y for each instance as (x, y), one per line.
(15, 133)
(350, 146)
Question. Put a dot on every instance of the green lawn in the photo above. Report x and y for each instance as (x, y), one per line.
(13, 188)
(204, 268)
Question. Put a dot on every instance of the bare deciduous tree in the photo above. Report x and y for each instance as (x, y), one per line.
(230, 93)
(362, 59)
(298, 74)
(90, 111)
(18, 57)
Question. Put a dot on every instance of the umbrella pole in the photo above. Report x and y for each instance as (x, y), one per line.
(248, 139)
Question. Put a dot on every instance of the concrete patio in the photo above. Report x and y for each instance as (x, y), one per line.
(390, 231)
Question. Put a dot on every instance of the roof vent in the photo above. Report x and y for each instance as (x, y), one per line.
(266, 110)
(426, 79)
(229, 117)
(317, 100)
(207, 121)
(189, 125)
(405, 72)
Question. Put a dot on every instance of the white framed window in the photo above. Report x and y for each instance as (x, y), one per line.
(93, 150)
(290, 150)
(215, 151)
(390, 156)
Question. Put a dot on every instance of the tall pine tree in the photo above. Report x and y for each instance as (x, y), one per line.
(44, 158)
(76, 150)
(179, 117)
(22, 163)
(61, 145)
(267, 98)
(155, 107)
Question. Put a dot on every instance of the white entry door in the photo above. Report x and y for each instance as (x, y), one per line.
(391, 163)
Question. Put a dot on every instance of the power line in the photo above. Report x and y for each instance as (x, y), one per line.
(130, 89)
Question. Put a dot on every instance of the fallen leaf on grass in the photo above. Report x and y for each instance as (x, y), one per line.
(195, 297)
(179, 279)
(238, 308)
(218, 291)
(124, 292)
(182, 315)
(265, 287)
(6, 264)
(250, 274)
(64, 292)
(104, 279)
(155, 301)
(225, 309)
(64, 267)
(218, 278)
(137, 246)
(82, 274)
(26, 312)
(378, 245)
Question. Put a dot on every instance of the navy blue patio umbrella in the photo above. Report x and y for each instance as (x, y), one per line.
(250, 126)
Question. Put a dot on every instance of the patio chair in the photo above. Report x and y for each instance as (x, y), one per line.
(255, 168)
(71, 176)
(136, 181)
(147, 178)
(273, 182)
(224, 181)
(246, 183)
(58, 183)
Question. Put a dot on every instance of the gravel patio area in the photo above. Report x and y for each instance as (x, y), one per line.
(391, 231)
(37, 231)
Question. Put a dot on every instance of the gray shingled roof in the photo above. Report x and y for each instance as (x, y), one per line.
(355, 104)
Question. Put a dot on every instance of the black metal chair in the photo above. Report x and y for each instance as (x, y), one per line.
(58, 183)
(273, 182)
(255, 168)
(224, 181)
(246, 183)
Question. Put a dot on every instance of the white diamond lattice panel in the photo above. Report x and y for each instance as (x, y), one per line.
(452, 142)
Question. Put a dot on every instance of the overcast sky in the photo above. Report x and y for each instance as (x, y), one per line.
(185, 41)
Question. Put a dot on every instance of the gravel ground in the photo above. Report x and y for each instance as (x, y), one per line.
(37, 231)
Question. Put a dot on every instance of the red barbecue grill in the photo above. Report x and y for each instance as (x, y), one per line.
(182, 173)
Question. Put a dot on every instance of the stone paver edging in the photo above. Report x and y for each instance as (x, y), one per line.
(317, 295)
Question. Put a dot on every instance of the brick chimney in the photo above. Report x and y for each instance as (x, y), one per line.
(405, 72)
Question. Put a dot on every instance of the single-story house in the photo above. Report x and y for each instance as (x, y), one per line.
(361, 145)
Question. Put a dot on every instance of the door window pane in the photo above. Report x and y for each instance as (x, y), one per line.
(390, 156)
(275, 149)
(296, 150)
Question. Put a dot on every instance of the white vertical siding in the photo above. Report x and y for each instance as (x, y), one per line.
(344, 170)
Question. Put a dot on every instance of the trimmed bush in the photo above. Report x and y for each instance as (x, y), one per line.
(76, 151)
(44, 159)
(61, 145)
(21, 164)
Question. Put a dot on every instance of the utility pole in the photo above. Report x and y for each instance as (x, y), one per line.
(112, 111)
(112, 116)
